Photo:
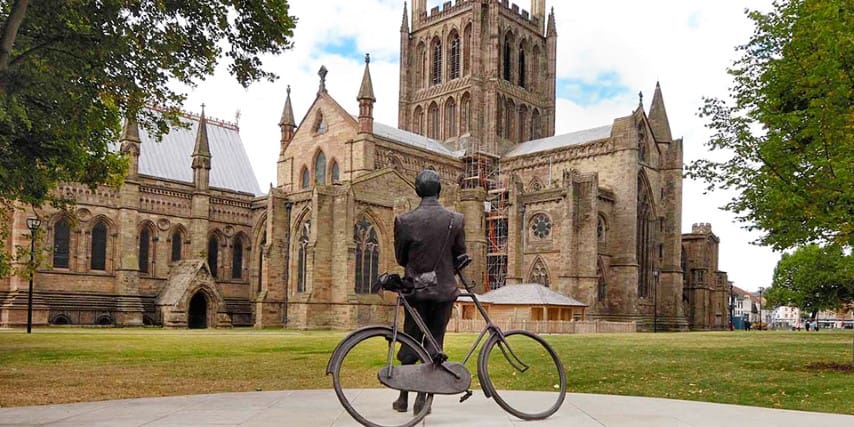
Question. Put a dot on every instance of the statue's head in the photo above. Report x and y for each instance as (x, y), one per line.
(427, 183)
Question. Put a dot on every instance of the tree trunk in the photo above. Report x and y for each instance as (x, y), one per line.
(10, 32)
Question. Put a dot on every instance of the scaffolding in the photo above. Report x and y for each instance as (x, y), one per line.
(484, 171)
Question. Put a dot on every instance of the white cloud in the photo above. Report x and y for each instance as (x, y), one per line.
(686, 45)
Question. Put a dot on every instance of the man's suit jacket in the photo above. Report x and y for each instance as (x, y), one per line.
(418, 238)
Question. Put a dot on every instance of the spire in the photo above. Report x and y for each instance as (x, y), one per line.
(658, 117)
(551, 31)
(366, 99)
(202, 147)
(130, 131)
(202, 155)
(404, 26)
(288, 112)
(287, 125)
(367, 89)
(130, 145)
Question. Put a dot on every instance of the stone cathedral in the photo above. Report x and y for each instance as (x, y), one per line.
(190, 240)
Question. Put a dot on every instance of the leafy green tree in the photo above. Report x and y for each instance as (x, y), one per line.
(71, 71)
(789, 132)
(813, 278)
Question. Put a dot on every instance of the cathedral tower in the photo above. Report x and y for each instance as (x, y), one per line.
(478, 75)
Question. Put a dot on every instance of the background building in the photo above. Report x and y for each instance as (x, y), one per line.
(594, 215)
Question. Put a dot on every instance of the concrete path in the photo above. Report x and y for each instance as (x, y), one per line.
(316, 408)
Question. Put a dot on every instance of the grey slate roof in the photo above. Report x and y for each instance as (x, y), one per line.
(558, 141)
(413, 139)
(527, 294)
(171, 158)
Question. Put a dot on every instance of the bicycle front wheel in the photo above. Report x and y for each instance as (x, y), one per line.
(359, 360)
(510, 370)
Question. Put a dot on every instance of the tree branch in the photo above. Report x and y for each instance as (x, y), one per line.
(34, 49)
(10, 32)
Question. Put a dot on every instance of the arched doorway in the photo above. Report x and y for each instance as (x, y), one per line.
(197, 316)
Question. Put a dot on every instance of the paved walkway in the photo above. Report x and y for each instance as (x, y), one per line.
(316, 408)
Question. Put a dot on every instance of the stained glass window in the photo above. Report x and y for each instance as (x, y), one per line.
(367, 256)
(61, 243)
(541, 226)
(99, 247)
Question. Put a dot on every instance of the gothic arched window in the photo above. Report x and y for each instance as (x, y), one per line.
(507, 53)
(421, 66)
(304, 177)
(467, 50)
(144, 250)
(320, 169)
(436, 75)
(367, 256)
(535, 69)
(336, 172)
(433, 125)
(645, 238)
(302, 255)
(61, 244)
(541, 226)
(539, 273)
(450, 118)
(522, 64)
(601, 229)
(320, 123)
(454, 72)
(418, 120)
(536, 125)
(523, 120)
(465, 113)
(177, 245)
(98, 260)
(213, 254)
(237, 259)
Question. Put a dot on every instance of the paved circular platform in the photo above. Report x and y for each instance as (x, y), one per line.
(316, 408)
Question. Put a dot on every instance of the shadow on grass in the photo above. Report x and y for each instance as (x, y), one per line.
(832, 367)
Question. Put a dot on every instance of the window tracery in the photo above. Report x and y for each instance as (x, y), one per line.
(302, 255)
(541, 226)
(367, 255)
(61, 244)
(539, 273)
(98, 260)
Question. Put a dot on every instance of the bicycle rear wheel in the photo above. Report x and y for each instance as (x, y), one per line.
(510, 379)
(359, 360)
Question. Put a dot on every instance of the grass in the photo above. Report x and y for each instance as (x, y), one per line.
(770, 369)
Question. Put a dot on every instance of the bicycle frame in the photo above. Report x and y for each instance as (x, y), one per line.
(440, 357)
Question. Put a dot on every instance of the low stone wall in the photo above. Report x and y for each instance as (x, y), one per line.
(547, 327)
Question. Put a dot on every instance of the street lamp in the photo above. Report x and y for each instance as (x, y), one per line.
(33, 224)
(760, 306)
(655, 303)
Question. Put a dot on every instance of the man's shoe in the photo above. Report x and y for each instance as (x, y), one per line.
(419, 404)
(400, 405)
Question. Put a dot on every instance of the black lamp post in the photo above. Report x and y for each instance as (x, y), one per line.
(655, 302)
(33, 224)
(760, 306)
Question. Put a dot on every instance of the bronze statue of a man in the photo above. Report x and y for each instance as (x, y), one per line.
(428, 239)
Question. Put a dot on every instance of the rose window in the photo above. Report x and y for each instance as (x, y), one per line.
(541, 226)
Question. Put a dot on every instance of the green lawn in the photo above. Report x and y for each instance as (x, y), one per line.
(772, 369)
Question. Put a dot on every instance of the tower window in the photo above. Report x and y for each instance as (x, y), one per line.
(451, 118)
(436, 77)
(213, 255)
(507, 52)
(522, 66)
(455, 57)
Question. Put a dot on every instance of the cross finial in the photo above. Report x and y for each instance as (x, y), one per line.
(322, 73)
(289, 89)
(640, 98)
(367, 58)
(203, 108)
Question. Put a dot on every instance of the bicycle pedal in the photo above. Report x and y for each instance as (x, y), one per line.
(465, 396)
